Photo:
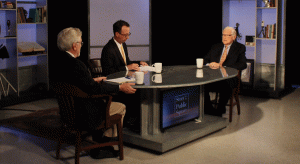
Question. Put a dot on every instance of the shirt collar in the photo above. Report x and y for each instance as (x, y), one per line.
(118, 44)
(70, 54)
(228, 46)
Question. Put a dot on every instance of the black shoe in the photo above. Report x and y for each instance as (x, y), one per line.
(104, 152)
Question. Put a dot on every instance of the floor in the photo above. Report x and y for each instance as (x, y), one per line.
(267, 131)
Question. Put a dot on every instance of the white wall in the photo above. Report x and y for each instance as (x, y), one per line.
(104, 13)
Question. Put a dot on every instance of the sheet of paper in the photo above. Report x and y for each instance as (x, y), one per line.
(121, 80)
(147, 68)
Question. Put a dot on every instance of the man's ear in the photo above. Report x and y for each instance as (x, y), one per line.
(74, 46)
(234, 37)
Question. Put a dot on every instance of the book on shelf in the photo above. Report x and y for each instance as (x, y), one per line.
(36, 15)
(273, 3)
(270, 31)
(29, 48)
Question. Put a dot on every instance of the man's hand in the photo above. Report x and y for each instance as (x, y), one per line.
(133, 66)
(126, 88)
(214, 65)
(99, 79)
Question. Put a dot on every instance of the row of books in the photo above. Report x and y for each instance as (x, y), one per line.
(270, 31)
(36, 15)
(273, 3)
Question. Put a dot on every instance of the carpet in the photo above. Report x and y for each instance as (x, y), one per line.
(44, 123)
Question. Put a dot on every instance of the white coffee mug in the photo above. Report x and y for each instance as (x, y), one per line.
(158, 67)
(139, 77)
(199, 63)
(199, 73)
(157, 78)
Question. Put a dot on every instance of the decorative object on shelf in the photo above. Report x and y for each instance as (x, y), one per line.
(267, 3)
(3, 52)
(262, 30)
(239, 36)
(30, 48)
(8, 5)
(8, 27)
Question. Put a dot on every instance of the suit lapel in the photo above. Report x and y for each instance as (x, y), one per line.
(117, 51)
(232, 48)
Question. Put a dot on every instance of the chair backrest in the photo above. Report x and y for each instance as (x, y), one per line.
(95, 66)
(66, 96)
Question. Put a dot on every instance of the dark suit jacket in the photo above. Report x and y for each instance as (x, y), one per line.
(89, 114)
(112, 60)
(236, 57)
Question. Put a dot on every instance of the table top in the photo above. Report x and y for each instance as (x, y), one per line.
(180, 76)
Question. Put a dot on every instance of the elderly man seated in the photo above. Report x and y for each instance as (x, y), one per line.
(229, 53)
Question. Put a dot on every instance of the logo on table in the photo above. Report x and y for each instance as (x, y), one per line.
(181, 104)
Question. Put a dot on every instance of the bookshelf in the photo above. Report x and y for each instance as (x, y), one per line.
(24, 72)
(267, 52)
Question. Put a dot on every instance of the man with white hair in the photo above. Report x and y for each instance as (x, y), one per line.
(229, 53)
(89, 113)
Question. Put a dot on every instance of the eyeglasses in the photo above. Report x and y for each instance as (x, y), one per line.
(225, 35)
(80, 43)
(126, 35)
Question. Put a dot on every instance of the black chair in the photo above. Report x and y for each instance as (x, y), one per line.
(95, 67)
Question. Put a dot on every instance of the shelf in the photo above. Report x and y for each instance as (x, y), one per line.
(25, 56)
(8, 37)
(4, 9)
(265, 39)
(24, 32)
(266, 7)
(30, 23)
(26, 2)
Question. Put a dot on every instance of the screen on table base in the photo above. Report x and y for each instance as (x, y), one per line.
(179, 105)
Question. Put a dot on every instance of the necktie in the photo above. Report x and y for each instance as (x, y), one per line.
(123, 54)
(223, 58)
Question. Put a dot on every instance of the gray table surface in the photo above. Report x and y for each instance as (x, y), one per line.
(181, 76)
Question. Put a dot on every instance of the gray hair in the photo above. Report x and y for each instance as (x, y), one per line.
(233, 32)
(67, 37)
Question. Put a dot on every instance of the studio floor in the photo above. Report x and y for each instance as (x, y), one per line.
(267, 131)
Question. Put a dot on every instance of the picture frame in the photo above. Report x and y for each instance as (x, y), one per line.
(247, 75)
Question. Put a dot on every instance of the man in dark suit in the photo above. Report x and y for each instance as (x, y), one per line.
(226, 54)
(91, 113)
(114, 57)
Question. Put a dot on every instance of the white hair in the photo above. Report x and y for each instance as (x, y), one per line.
(67, 37)
(233, 32)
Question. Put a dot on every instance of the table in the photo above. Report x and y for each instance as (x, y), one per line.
(150, 136)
